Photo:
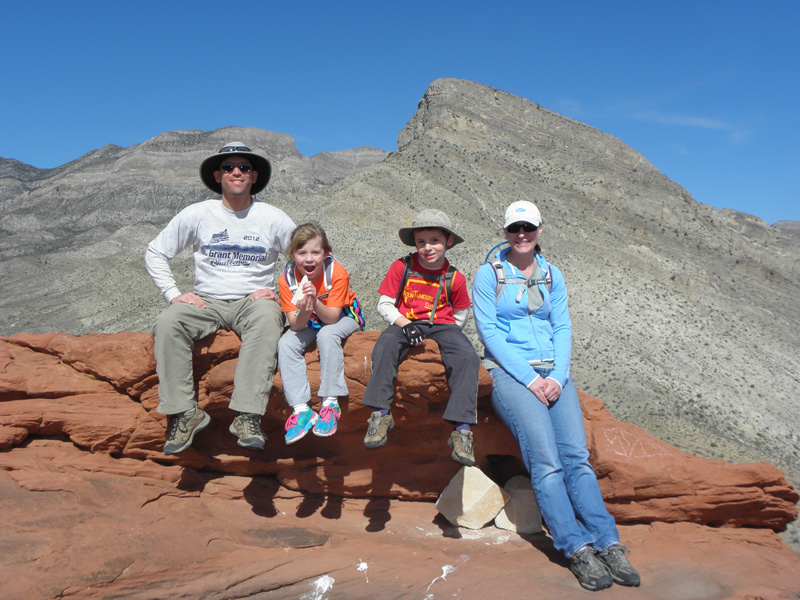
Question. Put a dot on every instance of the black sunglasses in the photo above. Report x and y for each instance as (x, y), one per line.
(229, 167)
(526, 227)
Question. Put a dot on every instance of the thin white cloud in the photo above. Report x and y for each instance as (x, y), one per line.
(653, 116)
(737, 134)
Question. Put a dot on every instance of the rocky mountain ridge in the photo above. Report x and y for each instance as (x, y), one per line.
(685, 317)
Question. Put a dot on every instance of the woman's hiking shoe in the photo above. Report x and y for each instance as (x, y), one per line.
(183, 427)
(247, 427)
(618, 566)
(329, 415)
(461, 443)
(299, 424)
(378, 428)
(590, 571)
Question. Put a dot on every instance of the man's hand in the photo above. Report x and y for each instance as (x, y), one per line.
(413, 334)
(264, 293)
(189, 298)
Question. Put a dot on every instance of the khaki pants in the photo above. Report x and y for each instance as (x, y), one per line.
(258, 323)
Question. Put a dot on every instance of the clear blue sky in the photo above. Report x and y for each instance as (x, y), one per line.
(708, 91)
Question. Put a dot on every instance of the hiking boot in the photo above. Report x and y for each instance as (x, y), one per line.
(591, 573)
(329, 416)
(299, 424)
(618, 566)
(378, 429)
(183, 427)
(247, 427)
(461, 443)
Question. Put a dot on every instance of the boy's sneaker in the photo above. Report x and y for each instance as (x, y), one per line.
(329, 415)
(461, 443)
(378, 429)
(590, 571)
(247, 427)
(183, 427)
(618, 566)
(299, 424)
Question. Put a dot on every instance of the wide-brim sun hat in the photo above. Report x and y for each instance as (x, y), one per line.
(428, 218)
(260, 165)
(522, 211)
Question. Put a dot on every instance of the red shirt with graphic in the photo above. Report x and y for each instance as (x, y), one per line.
(418, 294)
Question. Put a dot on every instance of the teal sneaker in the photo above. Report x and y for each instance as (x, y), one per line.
(329, 416)
(299, 424)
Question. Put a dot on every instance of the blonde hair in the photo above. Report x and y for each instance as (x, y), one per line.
(305, 233)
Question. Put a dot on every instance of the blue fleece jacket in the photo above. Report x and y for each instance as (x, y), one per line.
(511, 335)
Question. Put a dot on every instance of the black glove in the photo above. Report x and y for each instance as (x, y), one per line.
(413, 334)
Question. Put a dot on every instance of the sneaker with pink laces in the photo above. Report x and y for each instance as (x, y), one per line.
(329, 416)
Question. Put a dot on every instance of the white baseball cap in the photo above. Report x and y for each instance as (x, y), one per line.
(522, 210)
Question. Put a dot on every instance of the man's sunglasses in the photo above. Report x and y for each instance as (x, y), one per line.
(526, 227)
(228, 167)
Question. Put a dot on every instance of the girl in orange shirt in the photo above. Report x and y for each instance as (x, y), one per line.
(319, 305)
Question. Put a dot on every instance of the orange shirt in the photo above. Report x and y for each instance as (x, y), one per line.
(340, 294)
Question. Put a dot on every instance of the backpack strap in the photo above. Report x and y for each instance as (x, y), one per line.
(500, 275)
(403, 279)
(448, 286)
(327, 274)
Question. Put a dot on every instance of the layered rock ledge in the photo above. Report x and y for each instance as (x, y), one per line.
(100, 392)
(91, 508)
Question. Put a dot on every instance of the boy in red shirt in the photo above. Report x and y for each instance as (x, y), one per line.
(423, 296)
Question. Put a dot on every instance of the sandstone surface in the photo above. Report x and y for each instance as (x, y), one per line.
(100, 392)
(90, 507)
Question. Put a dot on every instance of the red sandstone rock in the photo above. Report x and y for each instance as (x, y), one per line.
(100, 391)
(81, 525)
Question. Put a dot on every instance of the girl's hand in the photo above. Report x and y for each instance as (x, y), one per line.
(309, 301)
(308, 288)
(538, 388)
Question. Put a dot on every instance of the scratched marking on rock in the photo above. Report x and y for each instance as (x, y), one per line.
(446, 570)
(630, 445)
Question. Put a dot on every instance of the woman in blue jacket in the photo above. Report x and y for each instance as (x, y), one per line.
(520, 306)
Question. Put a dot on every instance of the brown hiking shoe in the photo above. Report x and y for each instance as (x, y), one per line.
(247, 427)
(461, 443)
(183, 427)
(378, 429)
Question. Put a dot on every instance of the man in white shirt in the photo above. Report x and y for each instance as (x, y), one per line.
(236, 240)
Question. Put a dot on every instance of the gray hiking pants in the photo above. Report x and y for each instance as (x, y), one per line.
(292, 362)
(461, 365)
(257, 322)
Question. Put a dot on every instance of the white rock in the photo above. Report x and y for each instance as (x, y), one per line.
(471, 499)
(521, 512)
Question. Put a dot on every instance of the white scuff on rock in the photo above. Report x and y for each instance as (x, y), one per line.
(446, 570)
(319, 587)
(362, 566)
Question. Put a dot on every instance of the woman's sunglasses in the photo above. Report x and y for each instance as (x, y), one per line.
(228, 167)
(526, 227)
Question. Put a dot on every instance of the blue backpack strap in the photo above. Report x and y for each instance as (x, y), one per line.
(327, 274)
(291, 279)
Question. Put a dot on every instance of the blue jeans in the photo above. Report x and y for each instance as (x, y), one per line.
(553, 445)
